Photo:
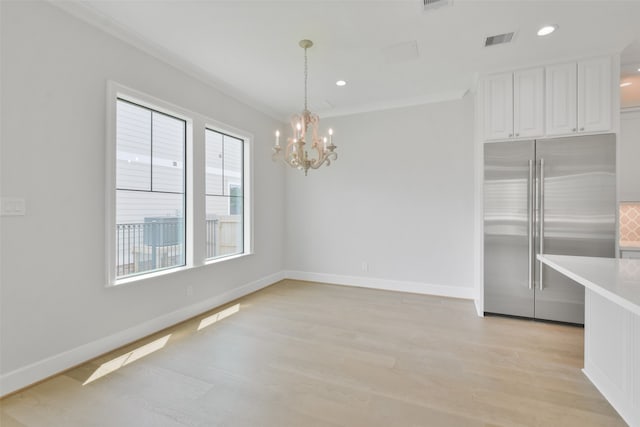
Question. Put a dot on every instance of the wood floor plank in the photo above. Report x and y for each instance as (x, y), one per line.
(305, 354)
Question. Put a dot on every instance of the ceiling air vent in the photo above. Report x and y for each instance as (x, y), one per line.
(498, 39)
(434, 4)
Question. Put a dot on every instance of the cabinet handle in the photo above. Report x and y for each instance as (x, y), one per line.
(517, 134)
(574, 129)
(531, 214)
(510, 135)
(541, 218)
(581, 128)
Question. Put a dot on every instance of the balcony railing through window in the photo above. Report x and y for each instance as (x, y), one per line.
(154, 244)
(158, 243)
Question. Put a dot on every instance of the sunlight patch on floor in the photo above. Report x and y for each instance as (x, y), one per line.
(210, 320)
(117, 363)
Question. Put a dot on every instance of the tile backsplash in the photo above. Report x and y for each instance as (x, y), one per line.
(629, 223)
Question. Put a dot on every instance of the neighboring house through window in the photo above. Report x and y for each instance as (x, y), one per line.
(150, 190)
(224, 194)
(154, 182)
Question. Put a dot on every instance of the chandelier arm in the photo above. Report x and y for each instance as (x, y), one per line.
(291, 159)
(331, 156)
(320, 151)
(324, 159)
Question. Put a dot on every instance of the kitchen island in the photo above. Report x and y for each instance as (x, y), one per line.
(611, 326)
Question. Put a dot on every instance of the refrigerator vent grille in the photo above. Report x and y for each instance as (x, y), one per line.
(435, 4)
(498, 39)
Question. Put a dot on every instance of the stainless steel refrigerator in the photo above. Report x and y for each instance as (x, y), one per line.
(553, 196)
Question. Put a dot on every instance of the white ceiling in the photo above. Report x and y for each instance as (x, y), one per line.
(250, 50)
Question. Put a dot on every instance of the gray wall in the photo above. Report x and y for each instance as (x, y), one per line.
(53, 296)
(400, 198)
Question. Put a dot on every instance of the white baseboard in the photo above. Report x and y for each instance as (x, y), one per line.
(479, 308)
(30, 374)
(385, 284)
(620, 401)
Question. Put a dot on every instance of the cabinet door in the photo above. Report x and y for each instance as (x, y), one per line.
(528, 103)
(594, 95)
(498, 106)
(561, 86)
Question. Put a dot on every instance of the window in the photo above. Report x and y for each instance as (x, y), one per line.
(178, 188)
(224, 194)
(150, 190)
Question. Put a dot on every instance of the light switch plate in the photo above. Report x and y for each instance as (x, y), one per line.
(13, 206)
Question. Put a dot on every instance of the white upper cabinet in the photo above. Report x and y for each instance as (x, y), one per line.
(556, 100)
(594, 95)
(498, 106)
(561, 103)
(514, 105)
(528, 103)
(578, 97)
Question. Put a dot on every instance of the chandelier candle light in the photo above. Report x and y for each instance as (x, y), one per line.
(305, 129)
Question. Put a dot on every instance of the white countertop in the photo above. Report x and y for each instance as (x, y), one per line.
(616, 279)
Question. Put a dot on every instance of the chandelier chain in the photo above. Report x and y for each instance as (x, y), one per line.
(306, 73)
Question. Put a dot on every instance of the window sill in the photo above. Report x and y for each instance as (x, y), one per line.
(155, 274)
(147, 276)
(226, 258)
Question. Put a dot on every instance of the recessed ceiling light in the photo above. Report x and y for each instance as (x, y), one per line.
(341, 83)
(546, 30)
(625, 84)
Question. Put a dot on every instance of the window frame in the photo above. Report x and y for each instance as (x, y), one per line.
(194, 175)
(246, 183)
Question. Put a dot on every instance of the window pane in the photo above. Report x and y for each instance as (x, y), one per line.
(168, 153)
(233, 164)
(235, 203)
(133, 136)
(149, 231)
(224, 230)
(213, 153)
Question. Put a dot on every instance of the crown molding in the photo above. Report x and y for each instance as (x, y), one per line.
(93, 17)
(393, 104)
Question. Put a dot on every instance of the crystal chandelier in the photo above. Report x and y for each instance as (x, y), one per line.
(305, 129)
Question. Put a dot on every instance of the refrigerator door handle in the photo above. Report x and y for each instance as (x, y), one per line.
(530, 213)
(541, 219)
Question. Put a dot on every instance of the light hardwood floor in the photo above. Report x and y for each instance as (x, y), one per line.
(301, 354)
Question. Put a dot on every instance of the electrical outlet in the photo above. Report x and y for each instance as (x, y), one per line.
(12, 206)
(365, 266)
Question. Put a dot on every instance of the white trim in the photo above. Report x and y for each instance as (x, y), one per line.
(616, 397)
(27, 375)
(629, 113)
(197, 124)
(30, 374)
(116, 91)
(479, 307)
(467, 292)
(391, 104)
(85, 12)
(97, 19)
(110, 152)
(478, 197)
